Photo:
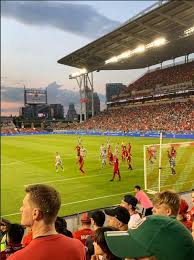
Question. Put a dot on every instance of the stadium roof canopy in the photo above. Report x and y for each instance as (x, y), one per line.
(168, 19)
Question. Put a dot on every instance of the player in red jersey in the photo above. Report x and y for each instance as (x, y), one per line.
(129, 148)
(150, 155)
(81, 164)
(129, 156)
(116, 170)
(110, 155)
(173, 152)
(78, 148)
(124, 153)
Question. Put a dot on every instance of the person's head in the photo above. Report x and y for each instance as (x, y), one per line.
(61, 227)
(85, 219)
(118, 217)
(161, 237)
(166, 203)
(41, 203)
(60, 224)
(137, 188)
(15, 234)
(100, 245)
(182, 209)
(57, 153)
(97, 218)
(129, 202)
(4, 224)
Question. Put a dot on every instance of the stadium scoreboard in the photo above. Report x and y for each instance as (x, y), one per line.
(35, 96)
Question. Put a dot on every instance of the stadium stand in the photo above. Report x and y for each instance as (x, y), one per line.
(165, 77)
(174, 117)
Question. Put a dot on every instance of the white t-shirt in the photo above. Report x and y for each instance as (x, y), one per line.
(134, 220)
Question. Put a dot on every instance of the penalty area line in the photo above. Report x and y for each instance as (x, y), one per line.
(75, 178)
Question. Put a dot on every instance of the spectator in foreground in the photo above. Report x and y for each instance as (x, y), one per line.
(118, 218)
(61, 227)
(101, 249)
(190, 214)
(182, 215)
(166, 203)
(14, 236)
(129, 202)
(27, 238)
(157, 237)
(85, 231)
(144, 200)
(97, 221)
(39, 211)
(3, 231)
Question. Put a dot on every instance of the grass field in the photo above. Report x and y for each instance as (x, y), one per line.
(30, 159)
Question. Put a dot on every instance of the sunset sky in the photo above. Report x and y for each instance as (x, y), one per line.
(34, 35)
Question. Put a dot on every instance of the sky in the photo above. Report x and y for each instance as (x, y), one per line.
(34, 35)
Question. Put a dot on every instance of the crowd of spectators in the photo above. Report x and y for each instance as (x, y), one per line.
(164, 77)
(176, 117)
(21, 130)
(171, 228)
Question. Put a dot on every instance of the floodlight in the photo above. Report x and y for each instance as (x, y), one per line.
(156, 43)
(78, 73)
(113, 59)
(189, 31)
(139, 49)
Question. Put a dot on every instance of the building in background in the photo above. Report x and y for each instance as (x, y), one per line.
(56, 111)
(96, 104)
(71, 113)
(114, 89)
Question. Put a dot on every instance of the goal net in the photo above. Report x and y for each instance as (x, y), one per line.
(169, 166)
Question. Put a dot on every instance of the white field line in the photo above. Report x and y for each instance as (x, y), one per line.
(75, 178)
(79, 201)
(53, 159)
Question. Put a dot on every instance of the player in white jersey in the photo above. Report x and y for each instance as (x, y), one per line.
(58, 162)
(83, 151)
(117, 149)
(103, 157)
(102, 148)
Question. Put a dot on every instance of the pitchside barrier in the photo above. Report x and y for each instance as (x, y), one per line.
(152, 134)
(74, 221)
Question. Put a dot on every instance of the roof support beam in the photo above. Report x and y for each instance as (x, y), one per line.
(150, 27)
(189, 3)
(173, 19)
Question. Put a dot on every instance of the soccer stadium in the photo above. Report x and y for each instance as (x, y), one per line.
(143, 139)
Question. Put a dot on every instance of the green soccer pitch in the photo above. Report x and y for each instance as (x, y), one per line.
(31, 159)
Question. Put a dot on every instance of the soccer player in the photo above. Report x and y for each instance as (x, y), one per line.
(78, 148)
(102, 148)
(129, 156)
(81, 164)
(116, 170)
(103, 158)
(110, 157)
(117, 149)
(58, 162)
(83, 151)
(150, 155)
(124, 153)
(129, 148)
(154, 150)
(173, 152)
(171, 160)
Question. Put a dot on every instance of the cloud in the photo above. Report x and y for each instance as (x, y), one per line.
(76, 18)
